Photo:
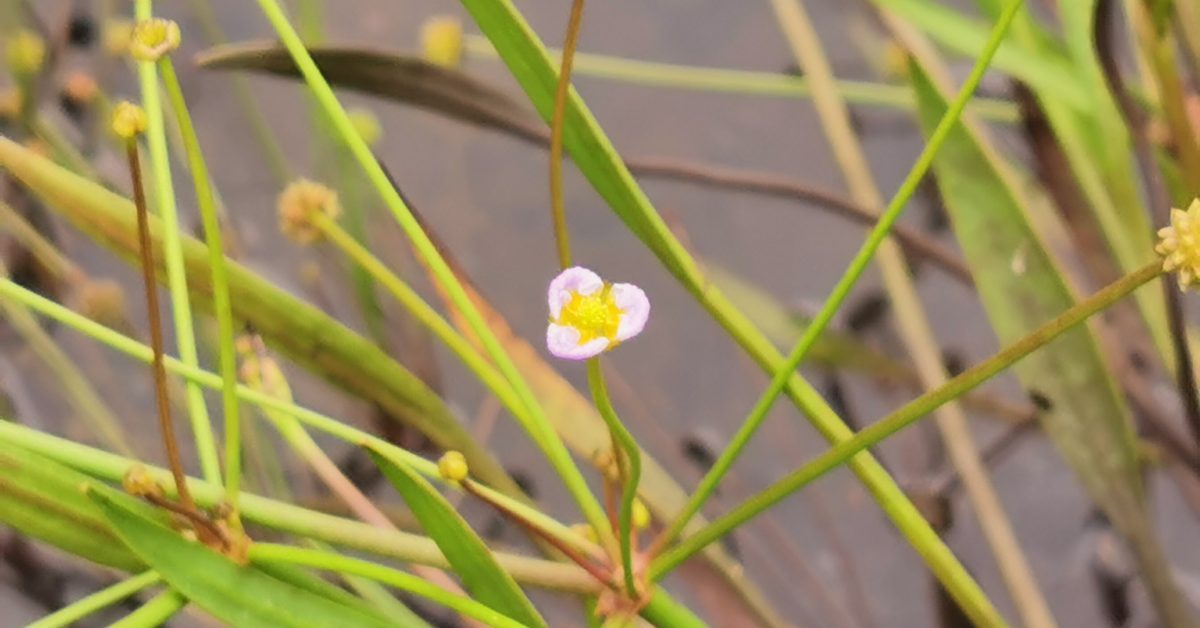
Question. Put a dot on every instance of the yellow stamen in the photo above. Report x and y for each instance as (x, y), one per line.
(595, 315)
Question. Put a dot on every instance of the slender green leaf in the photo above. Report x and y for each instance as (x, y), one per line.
(301, 331)
(239, 595)
(41, 498)
(156, 612)
(468, 554)
(1021, 286)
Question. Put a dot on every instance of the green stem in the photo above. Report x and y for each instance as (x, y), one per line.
(154, 613)
(77, 611)
(723, 80)
(220, 282)
(631, 473)
(320, 422)
(539, 427)
(287, 518)
(181, 310)
(859, 264)
(908, 414)
(317, 559)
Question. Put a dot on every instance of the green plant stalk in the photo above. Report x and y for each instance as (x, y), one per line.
(631, 472)
(907, 415)
(333, 427)
(915, 330)
(285, 517)
(539, 428)
(328, 561)
(154, 613)
(181, 310)
(76, 611)
(267, 141)
(857, 266)
(594, 153)
(349, 188)
(220, 282)
(723, 80)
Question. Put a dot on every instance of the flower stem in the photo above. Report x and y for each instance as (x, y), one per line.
(77, 611)
(558, 210)
(908, 414)
(165, 424)
(206, 202)
(185, 335)
(629, 461)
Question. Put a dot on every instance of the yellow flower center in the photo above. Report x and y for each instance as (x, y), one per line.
(595, 315)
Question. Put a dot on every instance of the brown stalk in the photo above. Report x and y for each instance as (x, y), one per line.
(558, 211)
(165, 423)
(596, 571)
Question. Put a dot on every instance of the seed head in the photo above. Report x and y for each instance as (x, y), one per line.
(453, 466)
(297, 204)
(128, 120)
(26, 53)
(442, 41)
(1179, 245)
(153, 38)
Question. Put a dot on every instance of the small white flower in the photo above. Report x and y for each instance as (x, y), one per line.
(589, 316)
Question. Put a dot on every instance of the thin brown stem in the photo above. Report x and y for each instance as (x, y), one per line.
(596, 571)
(165, 423)
(916, 245)
(558, 210)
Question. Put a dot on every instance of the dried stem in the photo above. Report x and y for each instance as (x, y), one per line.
(166, 426)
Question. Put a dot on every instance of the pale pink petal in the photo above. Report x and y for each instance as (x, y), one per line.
(563, 342)
(575, 279)
(635, 310)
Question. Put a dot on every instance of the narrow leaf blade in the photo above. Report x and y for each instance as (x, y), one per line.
(470, 557)
(241, 596)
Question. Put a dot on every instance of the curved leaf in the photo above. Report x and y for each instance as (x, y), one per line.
(467, 553)
(238, 595)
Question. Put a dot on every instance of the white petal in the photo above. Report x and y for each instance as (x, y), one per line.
(563, 342)
(635, 310)
(576, 279)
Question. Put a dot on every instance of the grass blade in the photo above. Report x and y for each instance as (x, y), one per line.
(242, 596)
(467, 553)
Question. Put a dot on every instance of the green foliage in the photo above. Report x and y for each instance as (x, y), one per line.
(467, 553)
(239, 595)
